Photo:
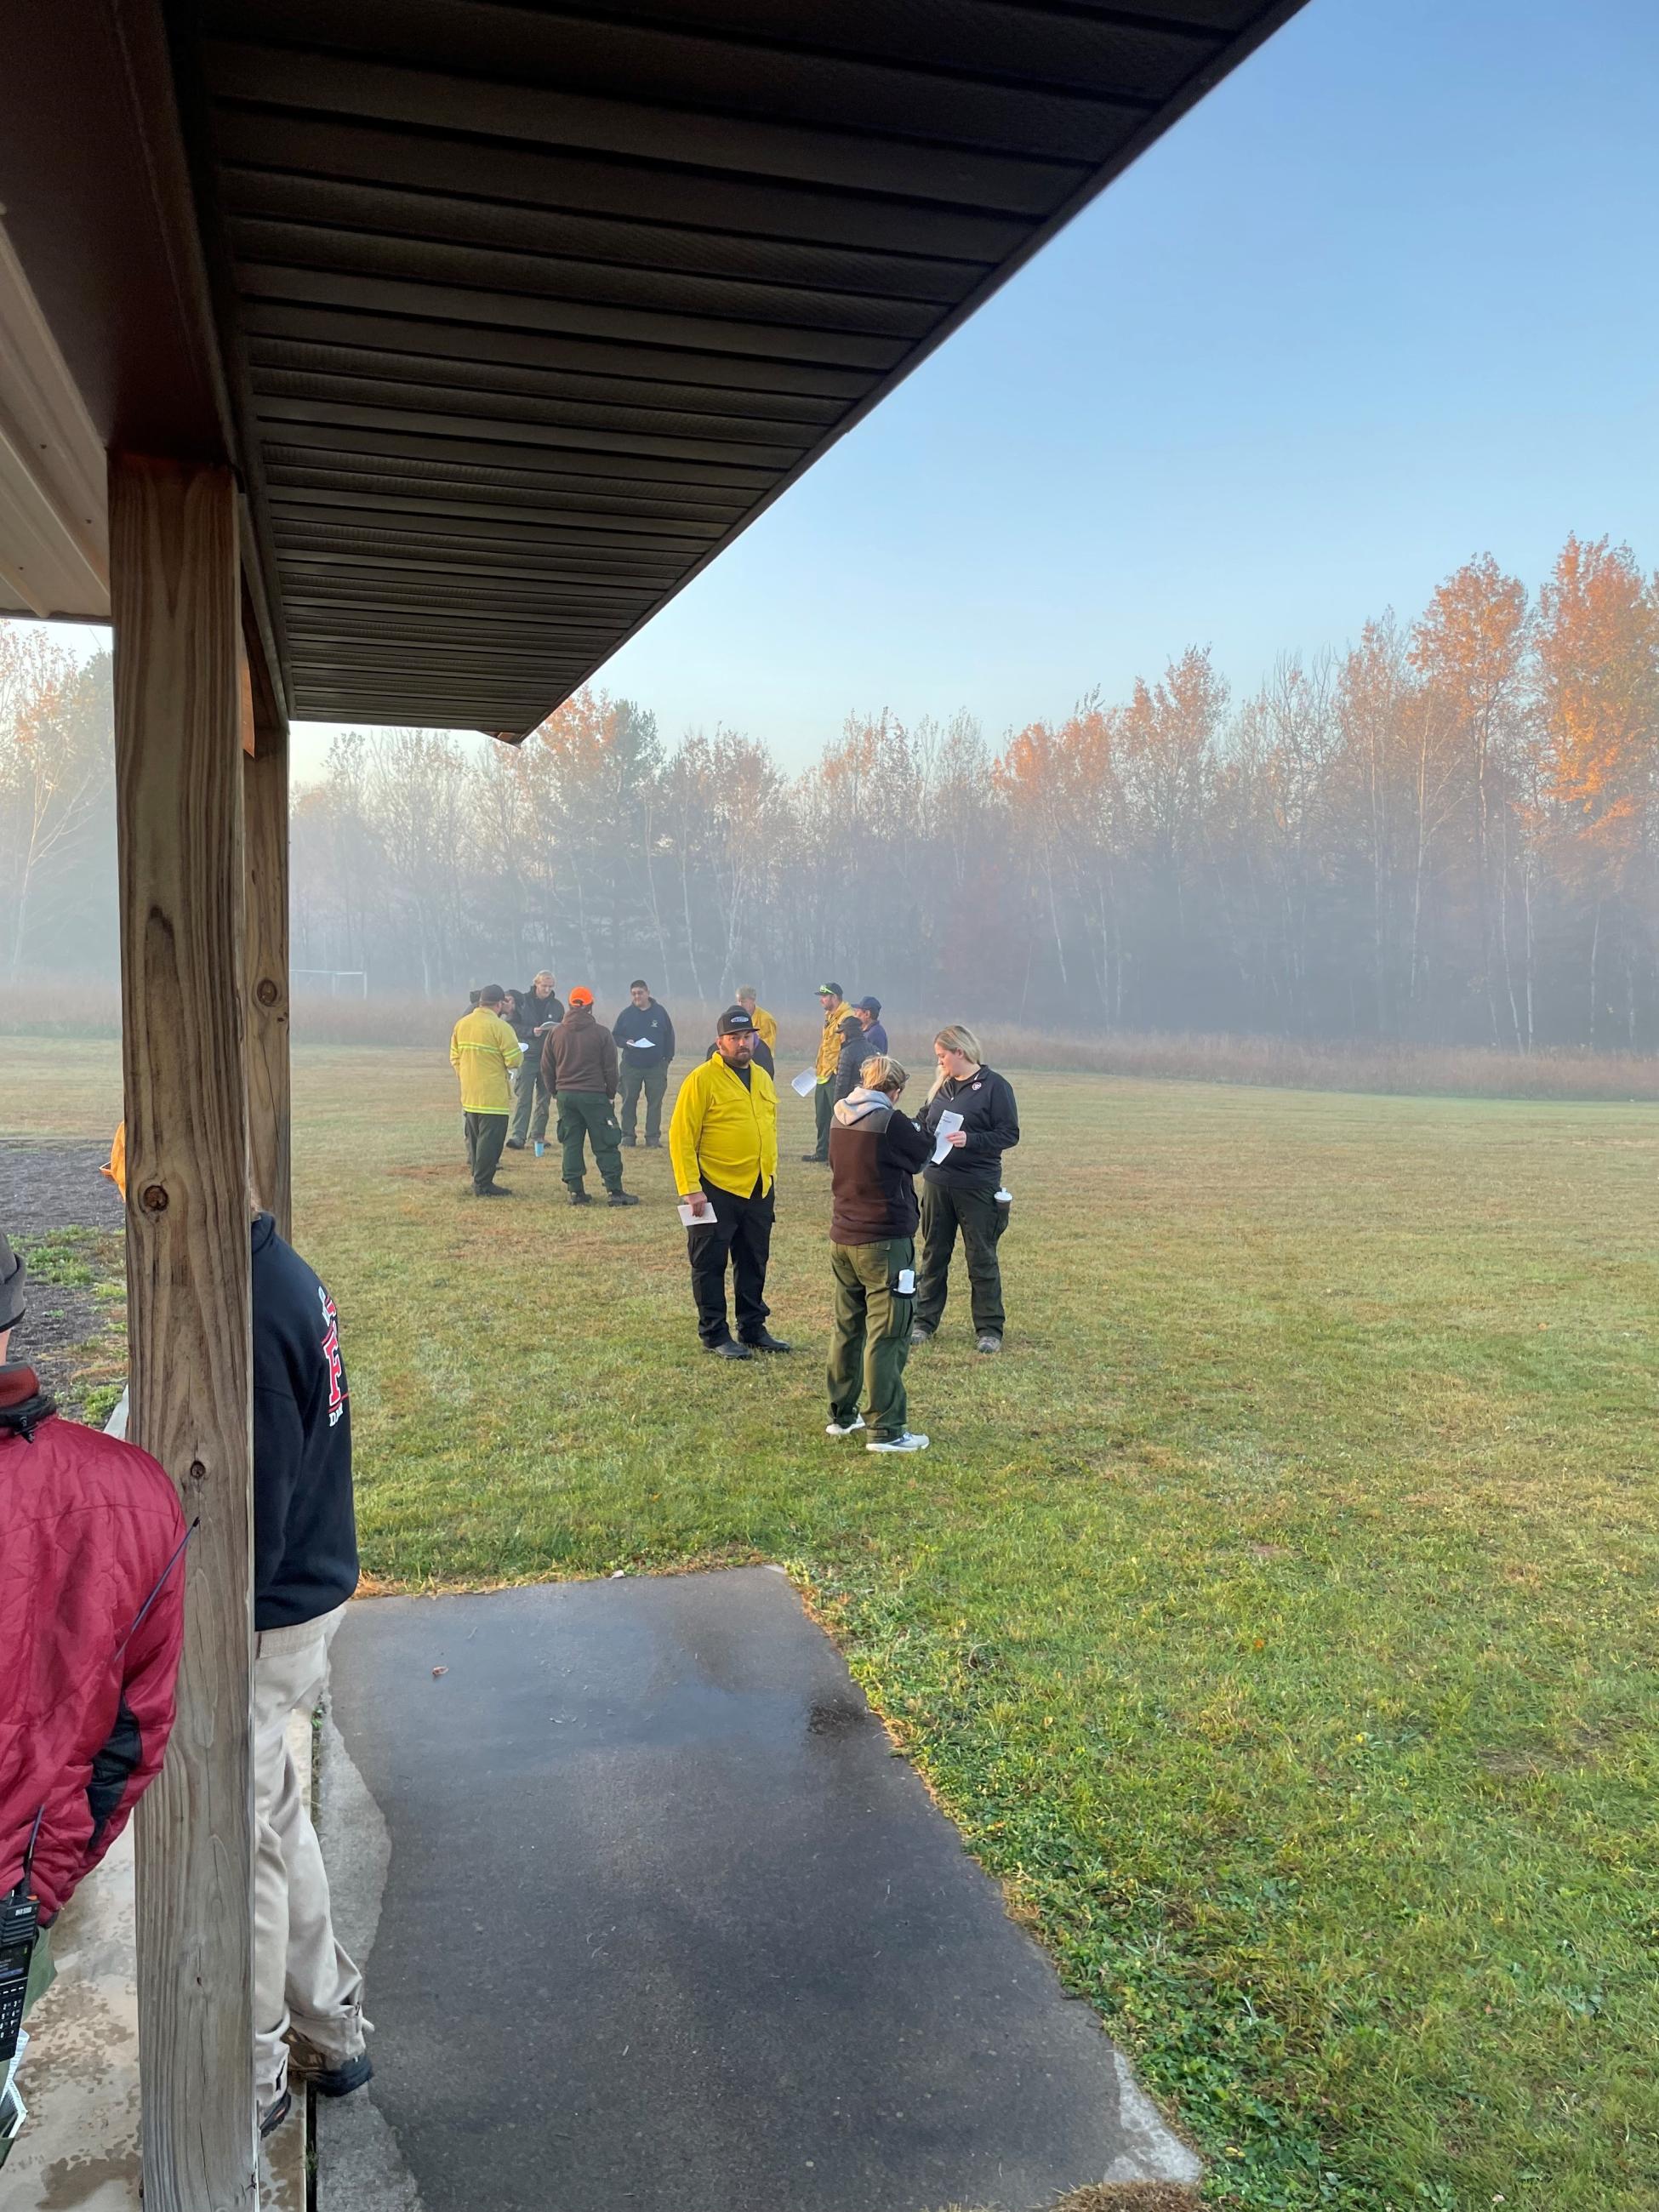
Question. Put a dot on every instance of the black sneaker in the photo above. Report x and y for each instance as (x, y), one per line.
(515, 1143)
(727, 1349)
(623, 1198)
(813, 1159)
(767, 1342)
(273, 2115)
(580, 1198)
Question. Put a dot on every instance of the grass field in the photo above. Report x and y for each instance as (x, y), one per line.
(1276, 1616)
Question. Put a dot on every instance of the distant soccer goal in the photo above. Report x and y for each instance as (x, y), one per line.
(334, 982)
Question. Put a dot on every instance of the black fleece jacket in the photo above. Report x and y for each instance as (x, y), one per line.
(305, 1526)
(647, 1027)
(990, 1121)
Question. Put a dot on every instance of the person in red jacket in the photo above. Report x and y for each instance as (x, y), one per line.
(92, 1609)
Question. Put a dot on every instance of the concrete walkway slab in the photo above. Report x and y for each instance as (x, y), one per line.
(661, 1924)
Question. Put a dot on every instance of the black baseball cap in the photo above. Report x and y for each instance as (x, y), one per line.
(830, 991)
(734, 1022)
(13, 1275)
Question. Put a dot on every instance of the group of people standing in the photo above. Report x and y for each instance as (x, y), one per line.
(518, 1052)
(890, 1248)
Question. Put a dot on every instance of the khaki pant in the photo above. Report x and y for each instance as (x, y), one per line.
(301, 1978)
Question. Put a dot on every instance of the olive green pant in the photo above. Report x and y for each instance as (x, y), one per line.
(823, 1113)
(946, 1208)
(589, 1115)
(532, 1099)
(870, 1338)
(653, 1081)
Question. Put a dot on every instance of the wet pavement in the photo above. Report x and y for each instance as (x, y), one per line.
(665, 1924)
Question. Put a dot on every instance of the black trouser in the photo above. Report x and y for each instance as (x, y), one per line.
(485, 1135)
(946, 1207)
(743, 1228)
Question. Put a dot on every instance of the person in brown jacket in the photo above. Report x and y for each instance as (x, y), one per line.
(579, 1068)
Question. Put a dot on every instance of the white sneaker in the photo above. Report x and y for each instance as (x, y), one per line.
(845, 1428)
(909, 1441)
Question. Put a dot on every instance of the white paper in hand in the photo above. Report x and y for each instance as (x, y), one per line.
(948, 1126)
(703, 1220)
(805, 1082)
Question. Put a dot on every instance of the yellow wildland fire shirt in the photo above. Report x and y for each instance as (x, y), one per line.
(481, 1051)
(724, 1131)
(767, 1024)
(829, 1043)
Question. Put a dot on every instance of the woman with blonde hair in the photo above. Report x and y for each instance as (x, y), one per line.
(962, 1190)
(874, 1153)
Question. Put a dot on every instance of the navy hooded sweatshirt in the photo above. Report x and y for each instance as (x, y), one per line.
(305, 1526)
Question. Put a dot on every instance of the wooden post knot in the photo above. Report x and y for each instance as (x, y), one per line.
(197, 1471)
(154, 1198)
(267, 991)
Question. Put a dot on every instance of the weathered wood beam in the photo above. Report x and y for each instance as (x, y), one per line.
(264, 784)
(175, 601)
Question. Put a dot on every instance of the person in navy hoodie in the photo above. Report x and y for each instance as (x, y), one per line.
(308, 1994)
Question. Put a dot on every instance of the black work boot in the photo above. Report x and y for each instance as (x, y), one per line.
(623, 1198)
(728, 1348)
(578, 1195)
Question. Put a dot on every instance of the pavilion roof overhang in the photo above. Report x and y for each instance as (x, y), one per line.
(517, 315)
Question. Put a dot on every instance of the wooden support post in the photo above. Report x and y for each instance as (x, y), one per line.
(174, 598)
(265, 782)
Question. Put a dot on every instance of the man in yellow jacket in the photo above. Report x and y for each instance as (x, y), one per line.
(766, 1027)
(482, 1051)
(723, 1141)
(824, 1098)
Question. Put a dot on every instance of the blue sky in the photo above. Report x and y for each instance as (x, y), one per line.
(1383, 300)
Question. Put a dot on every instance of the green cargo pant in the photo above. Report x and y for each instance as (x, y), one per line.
(946, 1207)
(589, 1114)
(485, 1134)
(823, 1109)
(653, 1081)
(870, 1338)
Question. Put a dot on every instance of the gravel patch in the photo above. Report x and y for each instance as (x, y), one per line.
(63, 1217)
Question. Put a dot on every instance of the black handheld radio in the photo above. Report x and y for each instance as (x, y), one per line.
(20, 1930)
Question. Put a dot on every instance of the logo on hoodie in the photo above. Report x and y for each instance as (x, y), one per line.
(331, 1353)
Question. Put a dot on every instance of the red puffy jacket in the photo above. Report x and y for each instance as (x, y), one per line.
(92, 1614)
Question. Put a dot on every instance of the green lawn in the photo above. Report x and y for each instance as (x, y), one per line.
(1276, 1617)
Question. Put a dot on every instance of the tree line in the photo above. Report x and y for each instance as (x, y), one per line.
(1447, 834)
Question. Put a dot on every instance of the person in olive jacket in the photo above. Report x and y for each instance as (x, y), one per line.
(960, 1192)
